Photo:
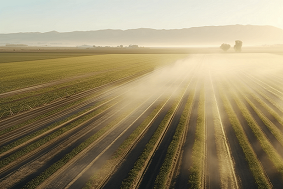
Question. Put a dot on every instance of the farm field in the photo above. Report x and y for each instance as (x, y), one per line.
(141, 120)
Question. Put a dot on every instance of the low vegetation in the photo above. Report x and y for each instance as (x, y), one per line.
(120, 153)
(174, 148)
(254, 164)
(135, 174)
(54, 167)
(196, 177)
(91, 109)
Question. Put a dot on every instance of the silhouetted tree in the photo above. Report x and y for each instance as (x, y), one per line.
(238, 45)
(225, 47)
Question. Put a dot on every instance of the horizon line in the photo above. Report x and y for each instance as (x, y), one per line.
(143, 28)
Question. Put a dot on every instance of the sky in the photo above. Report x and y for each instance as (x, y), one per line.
(84, 15)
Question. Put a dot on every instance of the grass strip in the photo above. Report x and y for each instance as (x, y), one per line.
(172, 151)
(254, 164)
(49, 137)
(54, 167)
(196, 177)
(99, 177)
(141, 163)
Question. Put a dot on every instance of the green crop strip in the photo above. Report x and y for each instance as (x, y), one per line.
(198, 153)
(270, 110)
(54, 167)
(265, 144)
(255, 166)
(269, 88)
(273, 129)
(45, 98)
(274, 103)
(15, 76)
(47, 138)
(226, 168)
(140, 164)
(119, 154)
(52, 112)
(273, 83)
(29, 73)
(31, 56)
(166, 169)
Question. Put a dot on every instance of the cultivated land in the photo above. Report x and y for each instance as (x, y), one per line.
(141, 120)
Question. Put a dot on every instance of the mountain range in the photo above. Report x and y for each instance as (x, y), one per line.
(195, 36)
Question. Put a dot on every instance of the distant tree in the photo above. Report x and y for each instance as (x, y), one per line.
(238, 45)
(225, 47)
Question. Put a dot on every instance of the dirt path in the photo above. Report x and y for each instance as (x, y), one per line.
(244, 174)
(182, 178)
(157, 160)
(212, 163)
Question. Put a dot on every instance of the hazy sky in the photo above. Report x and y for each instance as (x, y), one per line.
(81, 15)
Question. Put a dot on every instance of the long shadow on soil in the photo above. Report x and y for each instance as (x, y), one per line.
(63, 152)
(212, 166)
(274, 176)
(242, 170)
(116, 179)
(160, 154)
(181, 181)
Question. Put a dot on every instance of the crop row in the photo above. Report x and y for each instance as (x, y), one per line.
(264, 142)
(266, 107)
(196, 177)
(269, 99)
(137, 171)
(79, 149)
(100, 177)
(173, 151)
(75, 102)
(79, 115)
(49, 94)
(273, 129)
(51, 137)
(273, 90)
(78, 152)
(226, 166)
(29, 73)
(31, 56)
(272, 83)
(254, 164)
(58, 93)
(51, 113)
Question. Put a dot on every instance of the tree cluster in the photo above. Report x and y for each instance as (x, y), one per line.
(237, 47)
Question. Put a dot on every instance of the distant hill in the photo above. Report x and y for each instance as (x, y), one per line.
(207, 35)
